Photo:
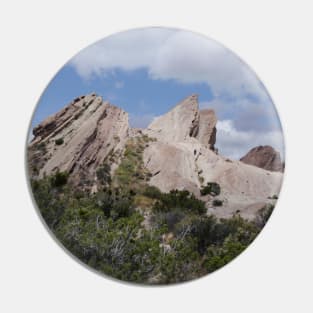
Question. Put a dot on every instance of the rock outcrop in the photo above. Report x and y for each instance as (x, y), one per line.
(207, 128)
(265, 157)
(183, 157)
(185, 121)
(191, 165)
(180, 154)
(79, 138)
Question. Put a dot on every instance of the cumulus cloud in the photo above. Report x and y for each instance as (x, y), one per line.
(236, 143)
(171, 54)
(126, 50)
(247, 116)
(245, 113)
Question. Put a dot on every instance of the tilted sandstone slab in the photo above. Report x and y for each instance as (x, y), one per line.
(185, 121)
(178, 124)
(89, 130)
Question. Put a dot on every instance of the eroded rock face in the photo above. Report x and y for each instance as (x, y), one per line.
(178, 124)
(180, 155)
(185, 121)
(207, 128)
(265, 157)
(191, 165)
(79, 138)
(183, 157)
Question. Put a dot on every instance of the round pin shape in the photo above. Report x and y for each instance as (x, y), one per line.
(155, 156)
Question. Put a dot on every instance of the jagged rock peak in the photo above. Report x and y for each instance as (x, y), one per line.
(265, 157)
(65, 116)
(185, 121)
(78, 138)
(179, 123)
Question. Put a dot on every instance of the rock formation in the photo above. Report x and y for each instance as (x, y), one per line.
(207, 128)
(181, 154)
(265, 157)
(187, 161)
(79, 138)
(185, 121)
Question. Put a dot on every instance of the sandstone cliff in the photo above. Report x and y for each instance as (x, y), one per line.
(185, 121)
(183, 158)
(78, 138)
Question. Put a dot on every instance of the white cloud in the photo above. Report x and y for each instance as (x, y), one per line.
(171, 54)
(245, 113)
(126, 50)
(234, 143)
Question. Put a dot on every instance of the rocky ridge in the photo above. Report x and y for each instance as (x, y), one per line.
(78, 139)
(182, 154)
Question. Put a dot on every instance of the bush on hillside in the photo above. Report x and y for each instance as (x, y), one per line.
(59, 141)
(212, 189)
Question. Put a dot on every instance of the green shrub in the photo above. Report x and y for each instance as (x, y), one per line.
(152, 192)
(121, 208)
(131, 171)
(212, 189)
(169, 219)
(182, 199)
(59, 179)
(105, 230)
(59, 141)
(103, 174)
(217, 202)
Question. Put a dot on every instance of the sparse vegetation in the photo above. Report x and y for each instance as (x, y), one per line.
(212, 189)
(59, 141)
(135, 232)
(217, 202)
(59, 179)
(131, 172)
(152, 192)
(103, 174)
(263, 215)
(106, 231)
(179, 199)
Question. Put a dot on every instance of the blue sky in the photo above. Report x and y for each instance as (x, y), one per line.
(147, 71)
(142, 97)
